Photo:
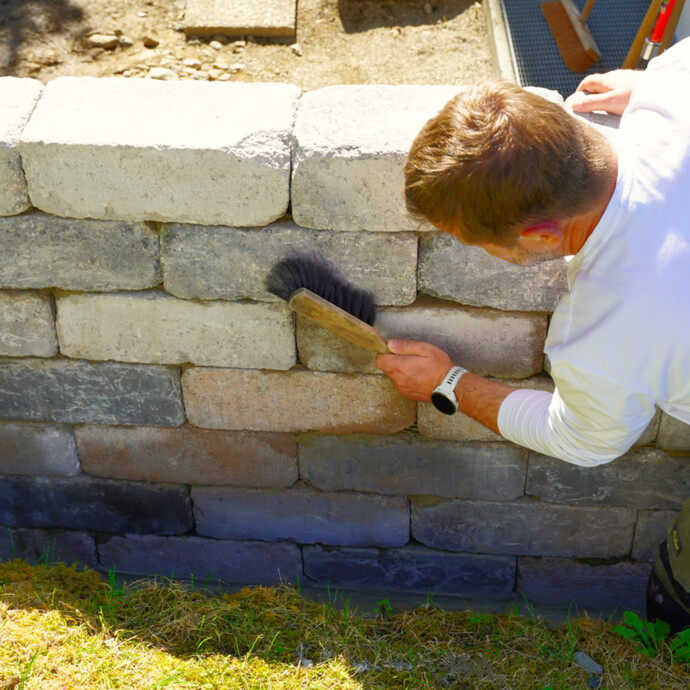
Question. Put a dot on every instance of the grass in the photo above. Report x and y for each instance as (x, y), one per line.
(62, 628)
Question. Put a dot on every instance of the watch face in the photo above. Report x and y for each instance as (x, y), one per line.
(442, 403)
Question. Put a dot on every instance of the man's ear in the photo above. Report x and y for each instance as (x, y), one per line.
(547, 234)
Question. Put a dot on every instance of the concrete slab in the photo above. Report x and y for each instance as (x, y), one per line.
(274, 18)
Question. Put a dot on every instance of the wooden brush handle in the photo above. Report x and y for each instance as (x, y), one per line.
(586, 10)
(337, 320)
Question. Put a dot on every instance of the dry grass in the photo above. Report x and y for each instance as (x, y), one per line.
(61, 628)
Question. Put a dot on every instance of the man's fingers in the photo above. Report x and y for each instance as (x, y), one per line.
(410, 347)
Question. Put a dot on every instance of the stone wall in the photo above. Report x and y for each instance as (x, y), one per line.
(162, 413)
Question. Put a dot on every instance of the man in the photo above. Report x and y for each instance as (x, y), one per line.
(504, 170)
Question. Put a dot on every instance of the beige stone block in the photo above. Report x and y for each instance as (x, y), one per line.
(188, 455)
(294, 401)
(145, 149)
(241, 17)
(152, 327)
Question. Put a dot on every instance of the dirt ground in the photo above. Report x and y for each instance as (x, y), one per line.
(338, 42)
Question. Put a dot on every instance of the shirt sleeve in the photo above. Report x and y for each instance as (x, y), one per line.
(600, 431)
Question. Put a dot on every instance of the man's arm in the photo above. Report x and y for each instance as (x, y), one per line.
(417, 368)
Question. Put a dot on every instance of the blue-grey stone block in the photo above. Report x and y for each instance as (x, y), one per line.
(243, 562)
(40, 250)
(451, 270)
(412, 568)
(562, 581)
(644, 478)
(407, 466)
(524, 528)
(47, 546)
(84, 503)
(302, 515)
(72, 391)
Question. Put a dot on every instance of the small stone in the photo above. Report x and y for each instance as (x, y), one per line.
(221, 64)
(105, 41)
(296, 49)
(192, 62)
(151, 41)
(141, 14)
(224, 40)
(201, 75)
(224, 77)
(238, 45)
(237, 67)
(587, 663)
(163, 73)
(216, 45)
(126, 42)
(178, 26)
(215, 74)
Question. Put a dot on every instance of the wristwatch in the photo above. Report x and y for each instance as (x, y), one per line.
(443, 397)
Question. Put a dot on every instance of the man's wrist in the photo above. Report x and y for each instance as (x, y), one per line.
(443, 396)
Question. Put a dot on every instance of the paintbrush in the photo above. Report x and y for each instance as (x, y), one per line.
(314, 289)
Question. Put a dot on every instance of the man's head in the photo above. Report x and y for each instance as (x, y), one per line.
(499, 162)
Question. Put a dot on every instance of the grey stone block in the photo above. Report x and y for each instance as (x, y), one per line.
(43, 251)
(560, 582)
(524, 528)
(47, 546)
(246, 562)
(188, 456)
(644, 478)
(153, 327)
(651, 529)
(27, 325)
(302, 515)
(674, 435)
(351, 143)
(232, 263)
(61, 390)
(407, 466)
(412, 568)
(18, 98)
(95, 504)
(144, 149)
(450, 270)
(38, 449)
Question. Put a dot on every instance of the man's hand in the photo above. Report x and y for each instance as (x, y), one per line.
(609, 92)
(416, 368)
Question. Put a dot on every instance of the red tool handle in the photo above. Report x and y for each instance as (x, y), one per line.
(662, 21)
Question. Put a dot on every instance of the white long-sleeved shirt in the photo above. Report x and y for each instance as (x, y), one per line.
(619, 340)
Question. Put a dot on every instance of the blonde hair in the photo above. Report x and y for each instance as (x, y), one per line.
(498, 158)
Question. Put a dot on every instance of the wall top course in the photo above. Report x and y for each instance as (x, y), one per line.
(357, 120)
(152, 113)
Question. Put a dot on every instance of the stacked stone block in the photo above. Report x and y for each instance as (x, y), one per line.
(162, 413)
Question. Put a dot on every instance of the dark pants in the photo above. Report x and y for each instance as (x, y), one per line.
(661, 605)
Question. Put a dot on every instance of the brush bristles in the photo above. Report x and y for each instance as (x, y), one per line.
(313, 272)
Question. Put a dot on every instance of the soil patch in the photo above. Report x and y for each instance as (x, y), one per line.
(338, 42)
